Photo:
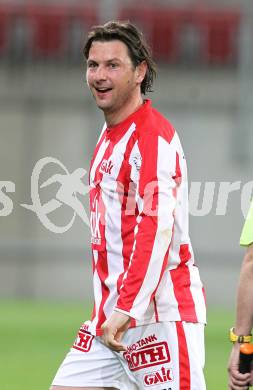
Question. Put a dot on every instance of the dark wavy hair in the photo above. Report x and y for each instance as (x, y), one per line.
(134, 40)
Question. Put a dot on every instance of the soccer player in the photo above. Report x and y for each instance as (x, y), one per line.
(147, 326)
(244, 311)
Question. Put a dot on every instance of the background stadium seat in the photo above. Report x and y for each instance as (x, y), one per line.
(220, 31)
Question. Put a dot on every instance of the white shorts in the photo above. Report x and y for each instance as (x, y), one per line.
(160, 356)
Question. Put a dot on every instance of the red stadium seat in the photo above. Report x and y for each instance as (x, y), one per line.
(45, 31)
(14, 31)
(80, 19)
(86, 12)
(160, 26)
(219, 29)
(55, 30)
(59, 30)
(166, 33)
(210, 34)
(4, 26)
(48, 22)
(142, 17)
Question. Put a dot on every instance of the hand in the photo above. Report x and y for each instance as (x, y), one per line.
(114, 329)
(237, 381)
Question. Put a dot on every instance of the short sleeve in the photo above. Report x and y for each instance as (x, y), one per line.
(247, 231)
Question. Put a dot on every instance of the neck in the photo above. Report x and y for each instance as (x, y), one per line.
(113, 118)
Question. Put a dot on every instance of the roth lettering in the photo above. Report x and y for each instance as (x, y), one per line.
(147, 356)
(83, 341)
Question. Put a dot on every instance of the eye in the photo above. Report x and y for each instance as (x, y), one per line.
(92, 65)
(113, 65)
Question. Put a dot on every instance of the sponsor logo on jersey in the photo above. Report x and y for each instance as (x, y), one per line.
(95, 217)
(83, 341)
(147, 356)
(161, 376)
(140, 343)
(106, 167)
(137, 160)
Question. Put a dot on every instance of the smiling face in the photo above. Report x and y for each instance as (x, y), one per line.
(113, 79)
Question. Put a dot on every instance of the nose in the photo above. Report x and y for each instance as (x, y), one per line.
(100, 74)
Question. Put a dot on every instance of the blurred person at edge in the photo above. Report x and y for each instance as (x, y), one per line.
(147, 326)
(244, 309)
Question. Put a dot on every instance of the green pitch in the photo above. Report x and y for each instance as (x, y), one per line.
(35, 336)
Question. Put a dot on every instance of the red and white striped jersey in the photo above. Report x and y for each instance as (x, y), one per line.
(143, 262)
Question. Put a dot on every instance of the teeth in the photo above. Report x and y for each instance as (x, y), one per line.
(103, 89)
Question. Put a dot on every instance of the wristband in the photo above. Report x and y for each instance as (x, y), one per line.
(234, 338)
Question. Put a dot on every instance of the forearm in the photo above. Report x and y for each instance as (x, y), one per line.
(244, 312)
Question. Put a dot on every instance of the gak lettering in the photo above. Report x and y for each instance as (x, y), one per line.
(161, 376)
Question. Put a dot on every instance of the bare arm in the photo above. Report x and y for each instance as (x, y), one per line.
(244, 312)
(244, 320)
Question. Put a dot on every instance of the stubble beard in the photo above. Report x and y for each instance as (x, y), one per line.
(116, 104)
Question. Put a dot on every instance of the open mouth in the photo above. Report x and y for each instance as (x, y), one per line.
(103, 90)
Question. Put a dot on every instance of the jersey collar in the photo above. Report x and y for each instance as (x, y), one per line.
(116, 132)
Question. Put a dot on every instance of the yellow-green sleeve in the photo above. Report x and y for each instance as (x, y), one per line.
(247, 231)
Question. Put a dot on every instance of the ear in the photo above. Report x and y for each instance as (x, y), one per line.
(141, 71)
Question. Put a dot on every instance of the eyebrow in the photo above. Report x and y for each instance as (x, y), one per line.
(114, 59)
(109, 60)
